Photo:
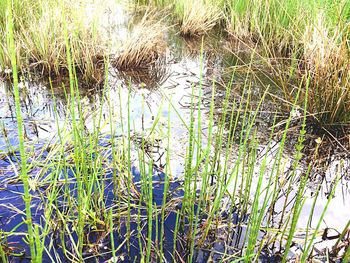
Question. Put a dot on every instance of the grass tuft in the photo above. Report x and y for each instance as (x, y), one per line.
(40, 43)
(327, 63)
(197, 17)
(145, 45)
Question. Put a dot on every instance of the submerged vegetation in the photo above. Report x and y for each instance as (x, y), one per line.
(103, 187)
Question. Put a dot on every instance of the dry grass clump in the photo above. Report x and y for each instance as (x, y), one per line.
(40, 39)
(238, 28)
(198, 17)
(44, 47)
(144, 46)
(327, 66)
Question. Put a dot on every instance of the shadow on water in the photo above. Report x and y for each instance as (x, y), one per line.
(97, 236)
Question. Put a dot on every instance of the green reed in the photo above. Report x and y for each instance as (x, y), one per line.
(23, 173)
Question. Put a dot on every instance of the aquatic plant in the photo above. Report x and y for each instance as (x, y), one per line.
(91, 197)
(24, 169)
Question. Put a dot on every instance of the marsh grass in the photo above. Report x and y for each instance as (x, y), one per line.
(145, 45)
(76, 201)
(298, 41)
(301, 42)
(307, 40)
(197, 17)
(327, 63)
(321, 65)
(40, 43)
(282, 21)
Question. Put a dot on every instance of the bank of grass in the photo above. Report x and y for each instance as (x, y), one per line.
(298, 44)
(40, 43)
(322, 65)
(306, 40)
(297, 41)
(39, 40)
(326, 62)
(284, 22)
(311, 36)
(195, 18)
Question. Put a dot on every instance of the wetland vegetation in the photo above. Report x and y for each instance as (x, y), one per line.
(174, 131)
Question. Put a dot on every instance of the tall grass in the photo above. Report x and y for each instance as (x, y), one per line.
(320, 60)
(39, 40)
(326, 61)
(282, 21)
(306, 40)
(23, 172)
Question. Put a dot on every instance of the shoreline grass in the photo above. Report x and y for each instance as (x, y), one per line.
(307, 40)
(40, 43)
(311, 39)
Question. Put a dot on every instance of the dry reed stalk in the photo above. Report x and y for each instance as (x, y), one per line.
(327, 63)
(322, 52)
(239, 29)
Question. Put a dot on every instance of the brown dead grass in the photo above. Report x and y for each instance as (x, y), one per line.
(199, 17)
(145, 45)
(327, 65)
